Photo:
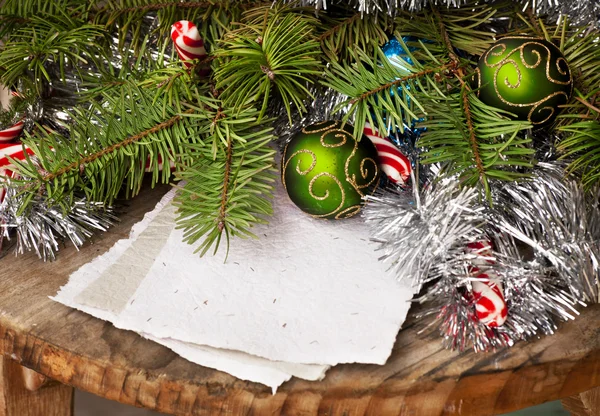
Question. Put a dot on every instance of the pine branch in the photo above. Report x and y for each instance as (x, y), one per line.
(479, 142)
(49, 44)
(108, 148)
(358, 31)
(581, 145)
(84, 162)
(464, 27)
(212, 17)
(466, 107)
(278, 54)
(372, 97)
(229, 185)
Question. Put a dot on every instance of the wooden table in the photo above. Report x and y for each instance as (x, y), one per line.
(420, 378)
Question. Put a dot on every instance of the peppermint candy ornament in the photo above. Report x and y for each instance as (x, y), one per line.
(150, 167)
(15, 151)
(12, 133)
(391, 160)
(187, 41)
(490, 306)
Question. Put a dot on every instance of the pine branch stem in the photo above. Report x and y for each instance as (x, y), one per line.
(588, 104)
(534, 23)
(78, 165)
(445, 35)
(225, 192)
(160, 6)
(459, 72)
(402, 80)
(471, 128)
(338, 27)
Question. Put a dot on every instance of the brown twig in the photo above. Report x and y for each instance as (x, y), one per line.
(445, 36)
(402, 80)
(471, 128)
(94, 156)
(588, 104)
(534, 22)
(338, 27)
(459, 72)
(224, 193)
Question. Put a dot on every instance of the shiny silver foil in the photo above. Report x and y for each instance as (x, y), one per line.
(44, 228)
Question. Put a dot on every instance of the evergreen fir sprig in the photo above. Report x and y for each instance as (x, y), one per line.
(378, 83)
(14, 14)
(228, 187)
(479, 142)
(213, 18)
(581, 144)
(49, 44)
(464, 28)
(279, 55)
(108, 148)
(341, 36)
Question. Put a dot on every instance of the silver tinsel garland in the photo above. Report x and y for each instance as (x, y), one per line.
(44, 227)
(545, 232)
(420, 233)
(582, 12)
(560, 223)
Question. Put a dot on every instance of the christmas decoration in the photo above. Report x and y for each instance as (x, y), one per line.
(326, 171)
(15, 151)
(112, 105)
(393, 163)
(12, 133)
(490, 306)
(444, 219)
(559, 222)
(188, 43)
(396, 53)
(526, 76)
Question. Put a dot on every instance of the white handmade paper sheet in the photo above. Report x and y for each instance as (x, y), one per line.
(307, 292)
(237, 363)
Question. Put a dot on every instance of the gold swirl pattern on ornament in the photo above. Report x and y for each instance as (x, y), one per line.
(298, 152)
(506, 81)
(365, 173)
(341, 134)
(330, 126)
(348, 212)
(324, 197)
(507, 60)
(538, 103)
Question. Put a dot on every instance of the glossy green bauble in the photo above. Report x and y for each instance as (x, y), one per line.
(526, 76)
(326, 171)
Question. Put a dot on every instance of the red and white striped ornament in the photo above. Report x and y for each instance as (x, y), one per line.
(149, 168)
(393, 163)
(16, 151)
(12, 133)
(490, 306)
(187, 41)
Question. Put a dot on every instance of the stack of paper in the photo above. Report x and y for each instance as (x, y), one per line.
(308, 294)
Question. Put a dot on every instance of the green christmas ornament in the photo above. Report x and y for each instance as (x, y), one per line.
(526, 76)
(326, 171)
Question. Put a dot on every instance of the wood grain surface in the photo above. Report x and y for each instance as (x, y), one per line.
(420, 378)
(23, 393)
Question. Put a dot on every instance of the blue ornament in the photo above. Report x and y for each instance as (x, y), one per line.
(396, 53)
(394, 50)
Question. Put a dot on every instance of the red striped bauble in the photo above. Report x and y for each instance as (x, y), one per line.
(187, 41)
(393, 163)
(12, 133)
(490, 306)
(16, 151)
